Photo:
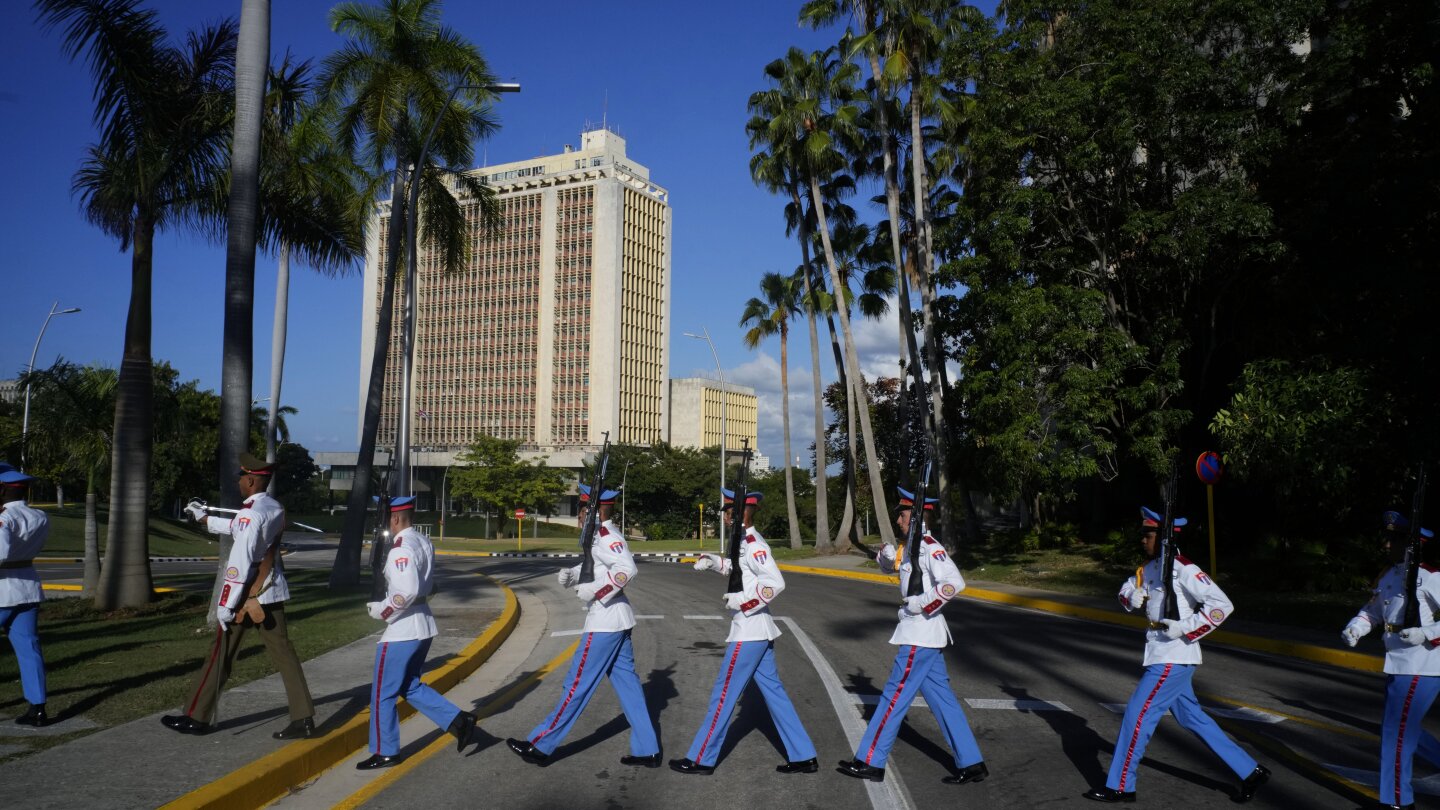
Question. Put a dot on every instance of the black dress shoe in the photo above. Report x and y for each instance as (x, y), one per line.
(301, 729)
(1252, 783)
(810, 765)
(972, 773)
(688, 766)
(462, 727)
(376, 761)
(859, 770)
(185, 724)
(652, 761)
(528, 752)
(34, 716)
(1105, 794)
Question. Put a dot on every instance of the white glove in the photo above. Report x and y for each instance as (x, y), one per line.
(224, 615)
(915, 605)
(1137, 599)
(1173, 629)
(567, 577)
(585, 593)
(1413, 636)
(707, 562)
(1356, 628)
(886, 556)
(376, 610)
(196, 510)
(734, 600)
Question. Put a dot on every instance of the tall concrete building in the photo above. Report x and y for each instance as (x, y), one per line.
(557, 328)
(696, 414)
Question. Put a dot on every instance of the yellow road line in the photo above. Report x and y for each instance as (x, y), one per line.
(270, 777)
(59, 586)
(1306, 721)
(393, 774)
(1309, 767)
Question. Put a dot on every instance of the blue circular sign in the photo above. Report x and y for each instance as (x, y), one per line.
(1208, 467)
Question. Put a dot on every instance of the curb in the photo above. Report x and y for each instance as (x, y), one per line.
(152, 559)
(674, 555)
(270, 777)
(47, 586)
(1289, 649)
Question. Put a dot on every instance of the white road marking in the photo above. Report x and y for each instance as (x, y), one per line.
(874, 700)
(649, 617)
(1018, 705)
(559, 633)
(890, 793)
(1253, 715)
(698, 618)
(1430, 785)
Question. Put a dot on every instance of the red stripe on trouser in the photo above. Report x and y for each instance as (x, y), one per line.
(720, 705)
(904, 676)
(579, 670)
(1140, 721)
(209, 667)
(1400, 737)
(375, 702)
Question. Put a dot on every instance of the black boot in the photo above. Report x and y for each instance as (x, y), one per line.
(1252, 783)
(301, 729)
(652, 761)
(689, 766)
(462, 727)
(859, 770)
(34, 716)
(810, 765)
(1105, 794)
(185, 724)
(376, 761)
(528, 752)
(971, 773)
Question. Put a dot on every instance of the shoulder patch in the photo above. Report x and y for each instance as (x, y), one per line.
(1180, 558)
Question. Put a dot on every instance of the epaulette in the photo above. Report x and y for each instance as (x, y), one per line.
(1180, 558)
(931, 541)
(604, 532)
(1429, 568)
(749, 538)
(248, 504)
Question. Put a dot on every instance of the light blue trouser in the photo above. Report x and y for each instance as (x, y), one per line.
(397, 672)
(599, 655)
(1167, 687)
(19, 622)
(745, 660)
(1407, 699)
(918, 670)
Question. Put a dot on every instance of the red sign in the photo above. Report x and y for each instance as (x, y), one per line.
(519, 514)
(1208, 467)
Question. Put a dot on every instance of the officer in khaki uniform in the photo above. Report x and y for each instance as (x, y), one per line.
(253, 595)
(23, 530)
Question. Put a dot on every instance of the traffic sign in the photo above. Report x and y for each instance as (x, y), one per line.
(519, 514)
(1208, 467)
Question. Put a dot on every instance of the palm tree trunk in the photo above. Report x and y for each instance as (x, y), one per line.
(252, 64)
(92, 537)
(791, 512)
(125, 576)
(852, 360)
(277, 354)
(925, 263)
(822, 505)
(346, 571)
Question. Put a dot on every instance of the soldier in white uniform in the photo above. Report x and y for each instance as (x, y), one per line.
(604, 649)
(1172, 651)
(749, 653)
(400, 654)
(1412, 663)
(23, 530)
(921, 635)
(253, 595)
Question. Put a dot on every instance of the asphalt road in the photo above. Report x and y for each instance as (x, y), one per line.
(835, 652)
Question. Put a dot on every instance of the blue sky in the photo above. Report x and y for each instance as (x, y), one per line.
(672, 78)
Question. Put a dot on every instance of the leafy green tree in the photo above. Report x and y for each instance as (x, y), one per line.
(494, 477)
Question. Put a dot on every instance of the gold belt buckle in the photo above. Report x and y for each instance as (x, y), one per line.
(1393, 628)
(1157, 625)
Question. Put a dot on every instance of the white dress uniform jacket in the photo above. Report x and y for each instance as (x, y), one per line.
(943, 582)
(408, 571)
(1386, 609)
(257, 526)
(762, 583)
(23, 530)
(610, 611)
(1201, 604)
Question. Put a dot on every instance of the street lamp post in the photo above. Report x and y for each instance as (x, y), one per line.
(724, 434)
(624, 476)
(30, 370)
(443, 479)
(402, 438)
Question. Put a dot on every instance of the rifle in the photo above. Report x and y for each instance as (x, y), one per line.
(916, 535)
(1167, 547)
(1412, 553)
(380, 542)
(592, 515)
(737, 522)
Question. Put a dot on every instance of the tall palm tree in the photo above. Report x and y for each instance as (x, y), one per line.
(815, 95)
(163, 112)
(397, 74)
(768, 315)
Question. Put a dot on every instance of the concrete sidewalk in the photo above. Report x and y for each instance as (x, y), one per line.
(144, 764)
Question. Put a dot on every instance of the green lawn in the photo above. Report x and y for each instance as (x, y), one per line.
(113, 668)
(168, 538)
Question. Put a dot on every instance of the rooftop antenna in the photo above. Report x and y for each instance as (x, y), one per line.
(605, 111)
